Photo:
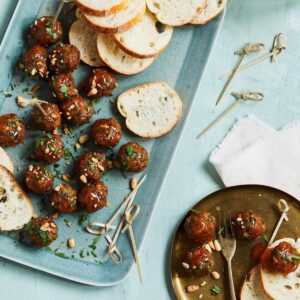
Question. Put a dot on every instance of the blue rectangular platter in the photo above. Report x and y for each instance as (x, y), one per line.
(181, 65)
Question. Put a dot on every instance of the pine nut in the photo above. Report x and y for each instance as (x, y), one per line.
(71, 243)
(69, 224)
(217, 245)
(83, 178)
(77, 146)
(57, 188)
(207, 247)
(200, 296)
(185, 265)
(107, 204)
(192, 288)
(215, 275)
(133, 183)
(203, 283)
(83, 139)
(211, 245)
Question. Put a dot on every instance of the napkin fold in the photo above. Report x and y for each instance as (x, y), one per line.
(254, 153)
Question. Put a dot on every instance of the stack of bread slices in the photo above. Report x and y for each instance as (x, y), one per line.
(127, 35)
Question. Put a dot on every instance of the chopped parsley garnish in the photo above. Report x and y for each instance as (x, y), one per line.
(266, 239)
(64, 90)
(196, 212)
(130, 151)
(68, 154)
(94, 244)
(215, 290)
(95, 100)
(62, 255)
(49, 30)
(56, 170)
(82, 219)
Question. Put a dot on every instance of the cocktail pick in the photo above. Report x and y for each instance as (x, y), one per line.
(250, 95)
(283, 208)
(279, 45)
(248, 49)
(107, 226)
(23, 102)
(60, 6)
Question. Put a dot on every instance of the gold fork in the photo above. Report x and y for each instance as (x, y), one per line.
(228, 244)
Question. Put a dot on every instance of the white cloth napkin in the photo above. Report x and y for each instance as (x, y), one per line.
(254, 153)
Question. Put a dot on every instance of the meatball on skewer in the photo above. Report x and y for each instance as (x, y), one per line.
(38, 179)
(34, 62)
(63, 86)
(100, 83)
(92, 197)
(64, 199)
(77, 111)
(12, 130)
(64, 59)
(41, 231)
(133, 157)
(44, 32)
(91, 166)
(106, 133)
(49, 148)
(48, 122)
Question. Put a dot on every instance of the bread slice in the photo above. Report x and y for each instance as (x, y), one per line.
(146, 39)
(85, 39)
(117, 59)
(211, 10)
(5, 161)
(101, 8)
(120, 21)
(252, 288)
(278, 286)
(15, 206)
(151, 109)
(175, 12)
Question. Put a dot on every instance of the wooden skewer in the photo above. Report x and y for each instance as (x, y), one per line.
(60, 6)
(23, 102)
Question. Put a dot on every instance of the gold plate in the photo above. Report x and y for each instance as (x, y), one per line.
(260, 199)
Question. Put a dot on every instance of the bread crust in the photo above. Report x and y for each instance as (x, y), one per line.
(102, 13)
(120, 28)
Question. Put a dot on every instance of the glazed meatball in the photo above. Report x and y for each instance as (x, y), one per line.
(133, 157)
(248, 226)
(91, 166)
(38, 179)
(77, 111)
(92, 197)
(49, 148)
(12, 130)
(200, 261)
(48, 122)
(64, 199)
(41, 231)
(63, 86)
(200, 227)
(34, 62)
(44, 32)
(106, 133)
(283, 258)
(64, 58)
(100, 83)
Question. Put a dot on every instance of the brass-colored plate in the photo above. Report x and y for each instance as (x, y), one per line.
(260, 199)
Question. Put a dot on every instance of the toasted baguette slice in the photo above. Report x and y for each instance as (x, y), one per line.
(120, 21)
(212, 9)
(252, 288)
(117, 59)
(85, 39)
(146, 39)
(175, 12)
(151, 109)
(278, 286)
(5, 161)
(101, 8)
(15, 206)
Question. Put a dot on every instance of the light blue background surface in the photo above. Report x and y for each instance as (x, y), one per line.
(191, 177)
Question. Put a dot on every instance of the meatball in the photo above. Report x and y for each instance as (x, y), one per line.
(49, 148)
(106, 133)
(39, 179)
(91, 165)
(100, 83)
(248, 226)
(64, 58)
(92, 197)
(200, 261)
(44, 32)
(283, 258)
(200, 227)
(63, 86)
(41, 231)
(132, 157)
(34, 62)
(12, 130)
(77, 110)
(64, 199)
(48, 122)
